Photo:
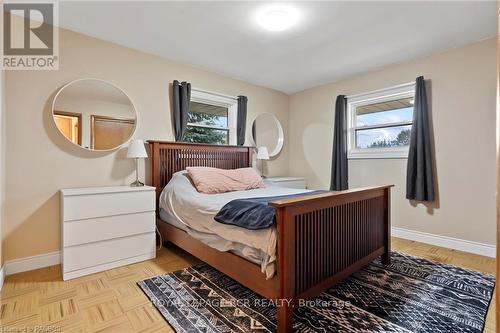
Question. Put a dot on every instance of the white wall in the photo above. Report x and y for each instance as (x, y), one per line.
(463, 99)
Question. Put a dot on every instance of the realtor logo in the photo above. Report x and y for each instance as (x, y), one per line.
(30, 39)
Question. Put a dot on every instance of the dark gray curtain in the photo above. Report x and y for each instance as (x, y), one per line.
(181, 103)
(241, 122)
(338, 180)
(419, 173)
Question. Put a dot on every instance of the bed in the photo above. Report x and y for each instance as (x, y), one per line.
(182, 206)
(320, 238)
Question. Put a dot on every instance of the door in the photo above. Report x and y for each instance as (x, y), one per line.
(108, 133)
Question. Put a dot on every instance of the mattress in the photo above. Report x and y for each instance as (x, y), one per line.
(184, 207)
(247, 252)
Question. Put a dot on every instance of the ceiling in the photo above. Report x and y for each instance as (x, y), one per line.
(332, 41)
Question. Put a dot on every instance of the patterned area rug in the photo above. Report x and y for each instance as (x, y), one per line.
(410, 295)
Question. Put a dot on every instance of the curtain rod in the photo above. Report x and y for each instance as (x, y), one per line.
(381, 90)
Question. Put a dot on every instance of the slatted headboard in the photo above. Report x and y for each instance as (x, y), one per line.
(168, 158)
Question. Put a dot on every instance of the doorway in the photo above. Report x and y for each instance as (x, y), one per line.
(70, 125)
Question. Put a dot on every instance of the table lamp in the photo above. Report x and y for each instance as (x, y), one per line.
(263, 155)
(137, 150)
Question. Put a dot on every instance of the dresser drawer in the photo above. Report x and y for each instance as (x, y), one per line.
(108, 227)
(93, 254)
(77, 207)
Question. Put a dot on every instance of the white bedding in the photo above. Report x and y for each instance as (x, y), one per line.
(182, 203)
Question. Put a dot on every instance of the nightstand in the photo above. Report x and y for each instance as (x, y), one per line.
(292, 182)
(106, 227)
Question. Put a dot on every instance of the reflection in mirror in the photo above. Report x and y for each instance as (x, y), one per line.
(94, 114)
(267, 132)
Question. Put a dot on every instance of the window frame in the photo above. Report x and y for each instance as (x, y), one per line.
(387, 94)
(216, 99)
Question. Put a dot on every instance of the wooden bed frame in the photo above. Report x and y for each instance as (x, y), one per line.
(322, 238)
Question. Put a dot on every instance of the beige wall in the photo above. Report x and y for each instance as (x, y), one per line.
(40, 161)
(463, 97)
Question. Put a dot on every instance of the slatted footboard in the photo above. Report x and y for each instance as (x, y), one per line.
(325, 238)
(321, 238)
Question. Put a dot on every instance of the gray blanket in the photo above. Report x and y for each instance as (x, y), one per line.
(253, 213)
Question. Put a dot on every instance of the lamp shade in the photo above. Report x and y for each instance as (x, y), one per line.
(136, 149)
(262, 153)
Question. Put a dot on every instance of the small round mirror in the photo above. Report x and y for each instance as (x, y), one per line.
(94, 114)
(267, 132)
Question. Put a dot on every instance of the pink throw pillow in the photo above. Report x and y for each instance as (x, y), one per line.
(213, 180)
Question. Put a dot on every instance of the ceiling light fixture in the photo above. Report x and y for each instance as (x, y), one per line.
(277, 17)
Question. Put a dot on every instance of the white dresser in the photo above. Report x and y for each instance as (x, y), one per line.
(292, 182)
(106, 227)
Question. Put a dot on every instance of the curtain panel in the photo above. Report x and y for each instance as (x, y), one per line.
(419, 174)
(181, 104)
(241, 120)
(339, 180)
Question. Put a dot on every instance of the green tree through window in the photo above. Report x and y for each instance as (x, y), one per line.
(204, 134)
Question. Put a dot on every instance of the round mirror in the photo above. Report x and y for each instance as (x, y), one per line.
(94, 114)
(267, 132)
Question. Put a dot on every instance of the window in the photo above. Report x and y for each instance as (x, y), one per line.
(212, 118)
(380, 122)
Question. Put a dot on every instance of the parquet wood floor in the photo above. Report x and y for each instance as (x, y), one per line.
(39, 301)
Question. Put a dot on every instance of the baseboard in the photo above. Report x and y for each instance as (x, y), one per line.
(54, 258)
(448, 242)
(31, 263)
(2, 276)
